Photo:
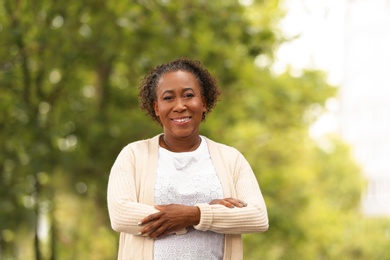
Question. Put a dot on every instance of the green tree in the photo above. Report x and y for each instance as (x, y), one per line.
(69, 73)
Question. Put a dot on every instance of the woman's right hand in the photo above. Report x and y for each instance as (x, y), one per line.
(229, 202)
(170, 219)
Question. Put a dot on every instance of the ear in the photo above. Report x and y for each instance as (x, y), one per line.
(204, 105)
(155, 106)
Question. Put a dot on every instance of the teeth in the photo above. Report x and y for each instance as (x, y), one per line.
(181, 120)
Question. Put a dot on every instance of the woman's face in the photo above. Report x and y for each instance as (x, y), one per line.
(179, 104)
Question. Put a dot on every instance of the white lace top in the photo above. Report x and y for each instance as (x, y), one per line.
(187, 178)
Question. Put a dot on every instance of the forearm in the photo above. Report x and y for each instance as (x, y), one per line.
(125, 215)
(236, 220)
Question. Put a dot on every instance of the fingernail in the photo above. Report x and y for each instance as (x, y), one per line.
(139, 224)
(245, 204)
(139, 233)
(232, 206)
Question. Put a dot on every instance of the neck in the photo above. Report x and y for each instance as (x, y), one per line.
(180, 145)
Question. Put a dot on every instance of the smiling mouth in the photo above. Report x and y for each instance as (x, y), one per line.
(181, 120)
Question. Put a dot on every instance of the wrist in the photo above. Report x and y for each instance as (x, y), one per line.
(195, 216)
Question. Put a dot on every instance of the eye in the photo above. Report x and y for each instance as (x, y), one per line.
(189, 95)
(167, 98)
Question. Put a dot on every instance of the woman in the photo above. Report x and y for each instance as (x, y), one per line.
(180, 195)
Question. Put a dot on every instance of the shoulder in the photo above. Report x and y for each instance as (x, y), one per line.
(142, 146)
(222, 149)
(227, 157)
(139, 144)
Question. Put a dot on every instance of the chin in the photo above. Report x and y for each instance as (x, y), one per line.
(184, 134)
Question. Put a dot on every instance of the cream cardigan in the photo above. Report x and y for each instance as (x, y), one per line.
(130, 198)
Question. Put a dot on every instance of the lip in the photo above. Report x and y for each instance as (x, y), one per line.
(181, 120)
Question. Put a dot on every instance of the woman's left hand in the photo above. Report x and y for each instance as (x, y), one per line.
(170, 219)
(229, 202)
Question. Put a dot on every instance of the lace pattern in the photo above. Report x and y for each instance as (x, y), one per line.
(188, 178)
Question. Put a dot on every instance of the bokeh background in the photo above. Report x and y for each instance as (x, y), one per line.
(69, 75)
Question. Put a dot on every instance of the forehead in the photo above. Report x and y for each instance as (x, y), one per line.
(178, 78)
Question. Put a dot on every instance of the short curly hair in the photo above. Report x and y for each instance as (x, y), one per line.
(147, 90)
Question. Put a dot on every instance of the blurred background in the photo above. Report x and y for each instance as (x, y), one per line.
(305, 99)
(348, 40)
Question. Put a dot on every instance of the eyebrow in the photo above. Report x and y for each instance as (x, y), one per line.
(171, 91)
(167, 91)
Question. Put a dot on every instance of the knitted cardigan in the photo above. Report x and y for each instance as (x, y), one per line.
(130, 197)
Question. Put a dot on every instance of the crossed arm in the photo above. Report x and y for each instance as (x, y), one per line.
(244, 214)
(175, 217)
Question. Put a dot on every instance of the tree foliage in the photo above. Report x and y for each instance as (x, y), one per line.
(69, 73)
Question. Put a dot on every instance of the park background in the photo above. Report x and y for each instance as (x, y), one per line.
(69, 73)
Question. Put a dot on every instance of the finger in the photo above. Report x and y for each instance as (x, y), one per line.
(223, 202)
(159, 232)
(216, 201)
(160, 207)
(227, 203)
(148, 229)
(149, 219)
(237, 203)
(242, 203)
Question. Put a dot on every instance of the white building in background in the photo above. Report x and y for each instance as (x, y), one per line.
(351, 40)
(364, 116)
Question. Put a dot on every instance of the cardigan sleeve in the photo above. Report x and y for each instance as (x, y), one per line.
(249, 219)
(124, 209)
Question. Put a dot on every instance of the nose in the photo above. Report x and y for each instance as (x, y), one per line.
(180, 106)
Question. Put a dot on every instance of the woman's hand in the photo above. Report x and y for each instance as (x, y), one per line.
(170, 219)
(175, 217)
(229, 202)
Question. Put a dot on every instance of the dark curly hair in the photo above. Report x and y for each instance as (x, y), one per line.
(147, 89)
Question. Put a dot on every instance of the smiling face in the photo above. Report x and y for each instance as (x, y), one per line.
(179, 104)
